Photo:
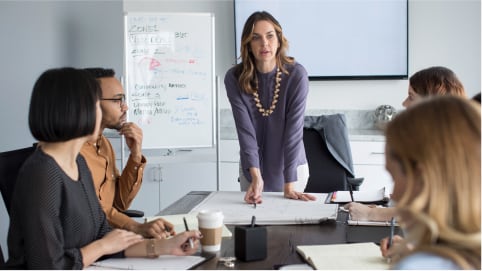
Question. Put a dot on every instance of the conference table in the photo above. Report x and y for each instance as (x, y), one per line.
(282, 239)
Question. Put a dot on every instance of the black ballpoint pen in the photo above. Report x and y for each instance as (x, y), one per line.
(392, 230)
(351, 192)
(187, 229)
(390, 238)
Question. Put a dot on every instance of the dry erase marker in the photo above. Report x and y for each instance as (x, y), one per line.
(187, 229)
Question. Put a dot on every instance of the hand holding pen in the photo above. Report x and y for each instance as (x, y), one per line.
(181, 243)
(253, 195)
(394, 246)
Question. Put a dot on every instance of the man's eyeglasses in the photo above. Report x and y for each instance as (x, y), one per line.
(121, 100)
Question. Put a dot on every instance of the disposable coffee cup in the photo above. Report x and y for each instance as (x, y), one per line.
(210, 223)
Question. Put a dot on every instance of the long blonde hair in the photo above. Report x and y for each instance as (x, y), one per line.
(437, 144)
(246, 70)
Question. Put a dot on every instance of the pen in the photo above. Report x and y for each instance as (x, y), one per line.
(187, 229)
(167, 230)
(390, 238)
(392, 230)
(351, 192)
(253, 221)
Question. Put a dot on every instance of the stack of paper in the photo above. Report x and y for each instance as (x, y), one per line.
(274, 210)
(344, 256)
(163, 262)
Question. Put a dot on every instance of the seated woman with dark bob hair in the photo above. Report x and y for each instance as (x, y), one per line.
(56, 221)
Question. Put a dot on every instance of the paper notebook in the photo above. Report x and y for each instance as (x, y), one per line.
(344, 256)
(191, 219)
(163, 262)
(367, 196)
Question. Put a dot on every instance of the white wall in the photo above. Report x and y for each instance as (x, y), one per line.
(441, 32)
(37, 35)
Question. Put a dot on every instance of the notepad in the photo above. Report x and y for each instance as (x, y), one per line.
(163, 262)
(366, 196)
(344, 256)
(191, 219)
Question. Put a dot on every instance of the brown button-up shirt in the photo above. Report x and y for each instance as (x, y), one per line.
(114, 190)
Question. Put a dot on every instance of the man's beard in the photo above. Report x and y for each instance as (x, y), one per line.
(114, 126)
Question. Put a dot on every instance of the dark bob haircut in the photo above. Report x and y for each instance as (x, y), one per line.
(63, 105)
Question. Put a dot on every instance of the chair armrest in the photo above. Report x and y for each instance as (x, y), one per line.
(133, 213)
(355, 182)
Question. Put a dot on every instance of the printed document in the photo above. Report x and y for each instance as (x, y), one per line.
(274, 210)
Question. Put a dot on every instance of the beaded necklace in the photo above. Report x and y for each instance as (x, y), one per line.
(269, 111)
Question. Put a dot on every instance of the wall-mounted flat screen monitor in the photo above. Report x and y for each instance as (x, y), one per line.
(339, 39)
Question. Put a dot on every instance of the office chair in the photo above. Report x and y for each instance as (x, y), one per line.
(2, 260)
(10, 163)
(329, 155)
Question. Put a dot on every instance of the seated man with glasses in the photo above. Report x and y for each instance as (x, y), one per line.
(116, 190)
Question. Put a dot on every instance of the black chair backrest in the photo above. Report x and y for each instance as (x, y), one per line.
(10, 163)
(2, 260)
(326, 174)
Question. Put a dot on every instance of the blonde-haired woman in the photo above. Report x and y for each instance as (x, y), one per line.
(433, 155)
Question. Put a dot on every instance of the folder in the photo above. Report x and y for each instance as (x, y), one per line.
(367, 196)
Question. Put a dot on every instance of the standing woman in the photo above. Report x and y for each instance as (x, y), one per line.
(267, 92)
(56, 220)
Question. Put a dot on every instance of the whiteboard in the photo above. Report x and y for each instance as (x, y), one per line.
(169, 78)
